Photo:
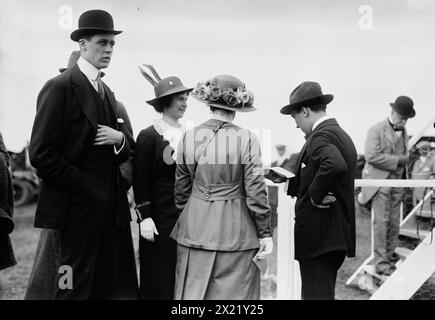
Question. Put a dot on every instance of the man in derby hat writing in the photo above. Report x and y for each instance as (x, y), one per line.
(387, 157)
(324, 187)
(77, 147)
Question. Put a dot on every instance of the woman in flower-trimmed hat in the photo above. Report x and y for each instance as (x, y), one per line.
(153, 186)
(220, 194)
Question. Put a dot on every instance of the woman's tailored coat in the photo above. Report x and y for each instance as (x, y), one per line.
(220, 191)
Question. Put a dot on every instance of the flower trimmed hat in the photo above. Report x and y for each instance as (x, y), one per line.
(225, 92)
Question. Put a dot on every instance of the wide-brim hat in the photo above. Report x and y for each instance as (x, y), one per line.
(162, 87)
(404, 106)
(225, 92)
(94, 22)
(307, 94)
(166, 87)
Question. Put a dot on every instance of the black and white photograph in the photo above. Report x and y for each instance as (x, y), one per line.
(239, 153)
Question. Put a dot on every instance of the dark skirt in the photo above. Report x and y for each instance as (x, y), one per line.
(157, 266)
(216, 275)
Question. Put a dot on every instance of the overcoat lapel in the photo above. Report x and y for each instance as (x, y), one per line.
(83, 94)
(388, 134)
(112, 103)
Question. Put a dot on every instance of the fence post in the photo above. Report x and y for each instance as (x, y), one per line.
(288, 277)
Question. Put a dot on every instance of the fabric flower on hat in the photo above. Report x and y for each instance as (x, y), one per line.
(231, 99)
(251, 97)
(243, 96)
(202, 90)
(215, 93)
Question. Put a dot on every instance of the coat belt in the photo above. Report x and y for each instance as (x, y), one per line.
(213, 192)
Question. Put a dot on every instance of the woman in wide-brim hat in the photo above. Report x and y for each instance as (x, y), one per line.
(220, 193)
(153, 186)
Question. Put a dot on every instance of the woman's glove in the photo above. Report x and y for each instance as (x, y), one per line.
(266, 247)
(148, 229)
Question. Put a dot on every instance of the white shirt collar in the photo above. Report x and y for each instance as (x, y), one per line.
(319, 121)
(88, 69)
(169, 133)
(398, 133)
(221, 117)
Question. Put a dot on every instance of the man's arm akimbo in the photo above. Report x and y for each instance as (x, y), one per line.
(331, 164)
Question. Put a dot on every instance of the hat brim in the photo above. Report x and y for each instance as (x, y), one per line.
(77, 34)
(323, 99)
(409, 114)
(224, 106)
(175, 90)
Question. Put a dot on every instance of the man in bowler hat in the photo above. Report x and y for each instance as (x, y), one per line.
(324, 187)
(42, 283)
(387, 157)
(77, 147)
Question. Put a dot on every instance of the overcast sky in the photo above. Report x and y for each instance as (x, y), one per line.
(272, 46)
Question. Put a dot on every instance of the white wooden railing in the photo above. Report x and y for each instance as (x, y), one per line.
(288, 276)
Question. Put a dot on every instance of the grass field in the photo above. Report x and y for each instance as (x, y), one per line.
(13, 281)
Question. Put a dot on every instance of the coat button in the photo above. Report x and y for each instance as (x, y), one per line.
(207, 196)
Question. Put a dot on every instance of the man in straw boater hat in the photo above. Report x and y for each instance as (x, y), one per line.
(77, 146)
(387, 157)
(324, 187)
(220, 193)
(41, 285)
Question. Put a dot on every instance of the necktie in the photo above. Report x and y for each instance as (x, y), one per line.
(100, 86)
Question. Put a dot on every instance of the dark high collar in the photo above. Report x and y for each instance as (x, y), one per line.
(323, 124)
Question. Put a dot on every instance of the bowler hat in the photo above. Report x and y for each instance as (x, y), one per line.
(308, 93)
(94, 22)
(225, 92)
(404, 106)
(162, 87)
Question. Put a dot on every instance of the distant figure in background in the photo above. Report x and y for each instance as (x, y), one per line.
(153, 186)
(77, 146)
(423, 168)
(387, 157)
(7, 258)
(42, 280)
(324, 187)
(285, 162)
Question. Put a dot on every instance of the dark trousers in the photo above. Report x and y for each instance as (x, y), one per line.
(319, 275)
(100, 253)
